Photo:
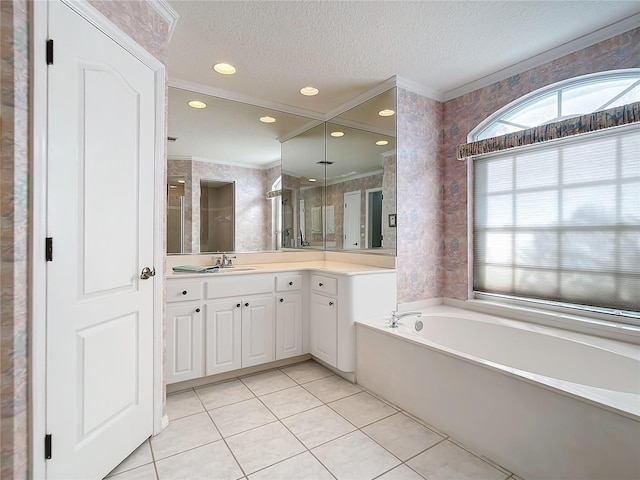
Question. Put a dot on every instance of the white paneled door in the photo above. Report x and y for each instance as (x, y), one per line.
(100, 194)
(352, 205)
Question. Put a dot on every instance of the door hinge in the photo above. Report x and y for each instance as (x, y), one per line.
(47, 446)
(49, 52)
(48, 250)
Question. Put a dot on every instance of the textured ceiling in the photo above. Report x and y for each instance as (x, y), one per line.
(344, 48)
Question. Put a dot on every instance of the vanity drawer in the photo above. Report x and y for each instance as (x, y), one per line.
(180, 292)
(240, 285)
(320, 283)
(288, 282)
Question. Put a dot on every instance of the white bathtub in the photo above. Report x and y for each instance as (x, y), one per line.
(542, 402)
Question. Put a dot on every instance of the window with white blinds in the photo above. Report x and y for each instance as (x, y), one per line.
(560, 221)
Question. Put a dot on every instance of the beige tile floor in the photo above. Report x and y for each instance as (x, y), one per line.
(295, 423)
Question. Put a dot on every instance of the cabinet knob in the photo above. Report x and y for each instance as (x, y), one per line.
(330, 304)
(246, 304)
(237, 305)
(290, 283)
(321, 284)
(281, 300)
(197, 310)
(184, 292)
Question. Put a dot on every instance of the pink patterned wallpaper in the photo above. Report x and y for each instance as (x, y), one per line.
(419, 197)
(14, 238)
(463, 114)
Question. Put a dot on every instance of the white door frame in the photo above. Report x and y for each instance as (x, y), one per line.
(38, 280)
(366, 215)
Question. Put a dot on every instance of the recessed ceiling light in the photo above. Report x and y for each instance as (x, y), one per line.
(180, 181)
(337, 134)
(386, 113)
(197, 104)
(382, 142)
(267, 119)
(312, 180)
(173, 186)
(224, 68)
(309, 91)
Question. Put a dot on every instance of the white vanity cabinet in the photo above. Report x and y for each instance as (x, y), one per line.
(258, 325)
(248, 304)
(183, 332)
(323, 331)
(227, 321)
(223, 336)
(337, 301)
(289, 316)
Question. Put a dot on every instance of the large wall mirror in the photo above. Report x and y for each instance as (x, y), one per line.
(223, 160)
(245, 178)
(339, 181)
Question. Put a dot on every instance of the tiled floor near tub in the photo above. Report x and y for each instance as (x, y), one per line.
(294, 423)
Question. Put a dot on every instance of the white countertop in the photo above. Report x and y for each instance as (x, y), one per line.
(340, 268)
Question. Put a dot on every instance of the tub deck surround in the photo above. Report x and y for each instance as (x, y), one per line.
(543, 402)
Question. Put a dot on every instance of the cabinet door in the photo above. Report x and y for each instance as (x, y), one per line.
(257, 330)
(223, 336)
(324, 328)
(288, 325)
(184, 343)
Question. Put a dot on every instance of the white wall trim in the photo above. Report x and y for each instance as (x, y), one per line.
(39, 117)
(420, 89)
(167, 12)
(38, 278)
(573, 46)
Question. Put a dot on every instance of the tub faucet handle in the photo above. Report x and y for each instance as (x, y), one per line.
(396, 316)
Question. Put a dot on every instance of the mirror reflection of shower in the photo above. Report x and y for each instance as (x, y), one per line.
(217, 216)
(175, 214)
(289, 231)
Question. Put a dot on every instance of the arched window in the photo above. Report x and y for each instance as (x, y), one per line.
(571, 98)
(558, 222)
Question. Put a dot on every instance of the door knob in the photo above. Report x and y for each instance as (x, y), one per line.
(281, 300)
(147, 273)
(330, 304)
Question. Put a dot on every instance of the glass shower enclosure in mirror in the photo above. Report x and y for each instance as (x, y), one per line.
(226, 142)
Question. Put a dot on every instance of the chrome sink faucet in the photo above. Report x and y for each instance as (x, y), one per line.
(395, 316)
(225, 261)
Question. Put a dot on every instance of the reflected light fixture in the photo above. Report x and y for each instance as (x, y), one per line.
(382, 142)
(309, 91)
(312, 180)
(197, 104)
(386, 113)
(224, 68)
(181, 181)
(267, 119)
(337, 134)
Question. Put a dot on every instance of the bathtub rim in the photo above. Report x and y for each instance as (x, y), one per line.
(377, 324)
(597, 325)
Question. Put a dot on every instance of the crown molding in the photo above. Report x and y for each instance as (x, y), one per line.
(297, 131)
(416, 87)
(238, 97)
(167, 12)
(573, 46)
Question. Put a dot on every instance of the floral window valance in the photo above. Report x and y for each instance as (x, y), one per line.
(612, 117)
